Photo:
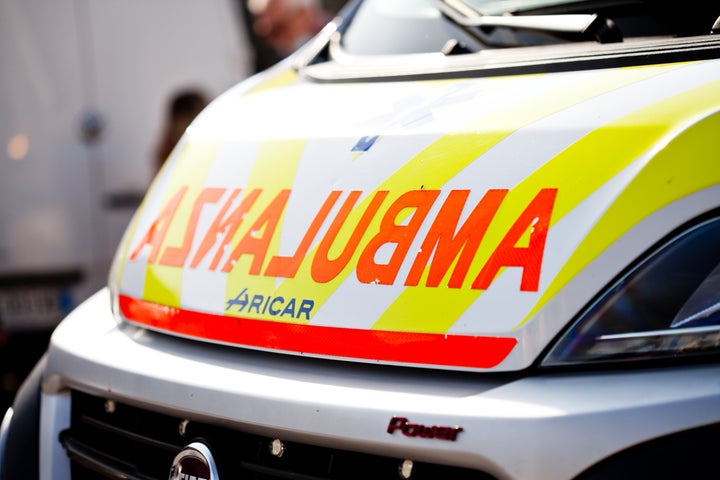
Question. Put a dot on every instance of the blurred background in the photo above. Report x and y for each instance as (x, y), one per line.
(93, 96)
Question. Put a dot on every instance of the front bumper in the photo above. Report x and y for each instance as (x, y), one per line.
(553, 425)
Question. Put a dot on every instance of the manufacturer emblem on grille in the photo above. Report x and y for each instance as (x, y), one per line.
(194, 462)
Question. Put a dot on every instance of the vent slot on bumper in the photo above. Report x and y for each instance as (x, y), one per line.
(108, 440)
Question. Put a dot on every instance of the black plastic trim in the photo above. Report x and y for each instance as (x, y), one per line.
(130, 442)
(97, 462)
(687, 454)
(22, 456)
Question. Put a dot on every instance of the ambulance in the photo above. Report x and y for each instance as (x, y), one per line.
(445, 239)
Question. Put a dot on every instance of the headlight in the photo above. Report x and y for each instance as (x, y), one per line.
(667, 306)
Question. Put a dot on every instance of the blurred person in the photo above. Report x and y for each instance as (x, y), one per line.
(183, 107)
(281, 26)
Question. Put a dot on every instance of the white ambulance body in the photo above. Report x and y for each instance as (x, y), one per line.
(452, 239)
(84, 90)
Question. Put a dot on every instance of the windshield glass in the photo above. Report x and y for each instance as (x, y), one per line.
(499, 7)
(382, 27)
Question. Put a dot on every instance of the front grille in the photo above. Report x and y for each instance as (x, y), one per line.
(108, 440)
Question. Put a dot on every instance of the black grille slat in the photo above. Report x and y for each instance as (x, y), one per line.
(137, 444)
(278, 473)
(131, 436)
(93, 460)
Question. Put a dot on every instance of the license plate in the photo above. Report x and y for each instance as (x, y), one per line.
(32, 308)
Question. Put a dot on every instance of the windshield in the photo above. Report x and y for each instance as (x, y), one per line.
(499, 7)
(382, 27)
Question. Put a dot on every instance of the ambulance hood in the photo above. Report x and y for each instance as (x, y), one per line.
(456, 224)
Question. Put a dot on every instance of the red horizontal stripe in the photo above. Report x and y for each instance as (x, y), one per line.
(384, 346)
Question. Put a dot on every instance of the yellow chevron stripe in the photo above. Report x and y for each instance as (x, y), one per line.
(428, 310)
(274, 170)
(434, 166)
(282, 79)
(687, 164)
(125, 242)
(163, 284)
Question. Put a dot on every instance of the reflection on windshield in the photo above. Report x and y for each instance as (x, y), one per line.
(498, 7)
(382, 27)
(419, 26)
